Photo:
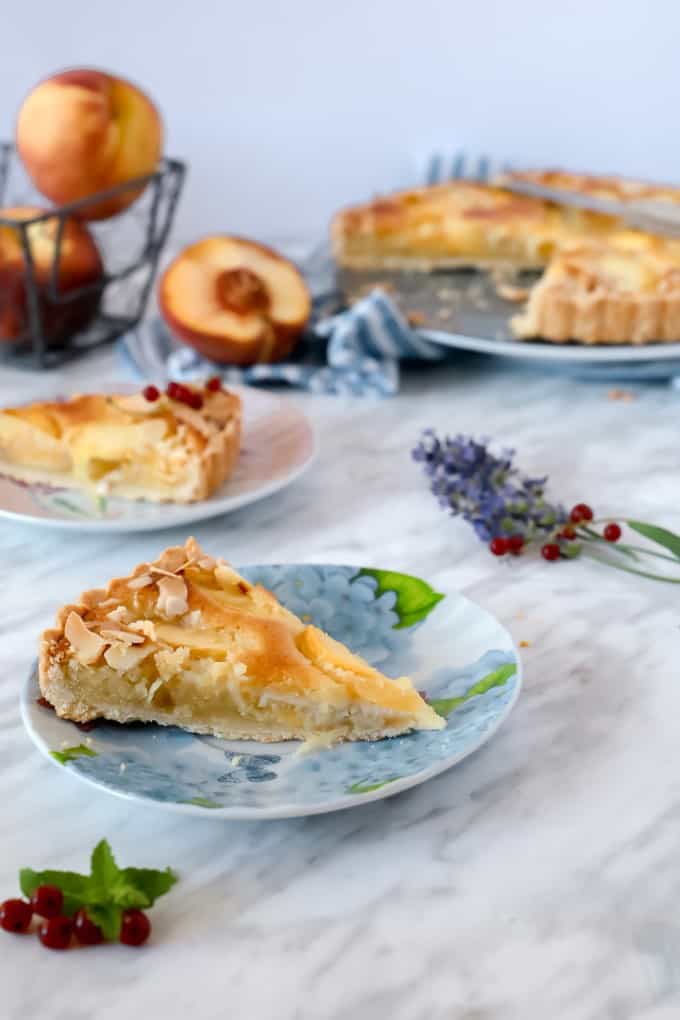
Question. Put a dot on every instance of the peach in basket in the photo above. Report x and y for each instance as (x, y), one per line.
(235, 301)
(84, 131)
(79, 265)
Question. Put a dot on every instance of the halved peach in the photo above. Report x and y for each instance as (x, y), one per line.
(235, 301)
(80, 264)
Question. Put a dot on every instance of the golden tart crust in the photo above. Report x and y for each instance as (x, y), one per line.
(603, 283)
(598, 294)
(186, 641)
(124, 445)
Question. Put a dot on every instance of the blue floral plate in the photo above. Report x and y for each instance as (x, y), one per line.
(458, 655)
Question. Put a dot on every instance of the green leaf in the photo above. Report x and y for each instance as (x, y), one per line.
(107, 891)
(444, 706)
(71, 753)
(363, 787)
(108, 916)
(668, 539)
(415, 598)
(73, 885)
(141, 887)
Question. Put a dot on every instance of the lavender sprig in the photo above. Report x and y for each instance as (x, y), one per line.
(509, 510)
(486, 490)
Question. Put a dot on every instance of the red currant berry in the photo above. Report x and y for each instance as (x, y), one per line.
(135, 929)
(174, 390)
(47, 901)
(214, 384)
(55, 932)
(15, 916)
(86, 931)
(499, 546)
(612, 532)
(568, 532)
(581, 512)
(516, 544)
(151, 393)
(550, 551)
(194, 400)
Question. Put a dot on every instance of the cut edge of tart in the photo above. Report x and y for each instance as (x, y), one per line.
(186, 641)
(165, 449)
(600, 294)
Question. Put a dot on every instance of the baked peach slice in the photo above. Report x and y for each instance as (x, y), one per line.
(83, 131)
(235, 301)
(80, 266)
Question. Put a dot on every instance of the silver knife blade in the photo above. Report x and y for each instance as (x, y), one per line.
(653, 215)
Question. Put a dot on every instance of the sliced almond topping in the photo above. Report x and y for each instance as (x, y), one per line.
(172, 573)
(87, 646)
(207, 563)
(122, 657)
(172, 597)
(122, 635)
(144, 627)
(121, 614)
(140, 582)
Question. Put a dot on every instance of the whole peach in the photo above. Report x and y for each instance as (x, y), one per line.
(79, 265)
(83, 131)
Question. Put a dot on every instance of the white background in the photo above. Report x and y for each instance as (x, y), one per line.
(287, 109)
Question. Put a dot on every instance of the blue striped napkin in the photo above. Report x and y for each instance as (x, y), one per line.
(356, 352)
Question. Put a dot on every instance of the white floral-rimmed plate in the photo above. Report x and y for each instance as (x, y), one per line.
(458, 655)
(277, 446)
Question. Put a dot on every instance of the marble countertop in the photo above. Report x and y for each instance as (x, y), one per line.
(538, 879)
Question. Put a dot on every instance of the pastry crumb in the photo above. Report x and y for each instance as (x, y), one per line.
(625, 396)
(524, 644)
(445, 313)
(122, 766)
(415, 319)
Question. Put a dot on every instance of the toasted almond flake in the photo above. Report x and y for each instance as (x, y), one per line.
(87, 646)
(146, 627)
(207, 563)
(122, 657)
(152, 690)
(172, 597)
(121, 614)
(192, 619)
(140, 582)
(122, 635)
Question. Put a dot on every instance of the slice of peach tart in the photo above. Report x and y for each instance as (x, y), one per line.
(186, 641)
(178, 446)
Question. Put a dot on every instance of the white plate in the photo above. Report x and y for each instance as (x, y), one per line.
(277, 446)
(460, 657)
(575, 354)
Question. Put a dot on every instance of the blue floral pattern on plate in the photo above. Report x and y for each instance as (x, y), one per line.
(459, 656)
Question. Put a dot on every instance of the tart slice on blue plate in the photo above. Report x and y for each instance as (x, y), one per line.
(186, 641)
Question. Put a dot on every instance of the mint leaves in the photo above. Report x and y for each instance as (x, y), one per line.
(106, 892)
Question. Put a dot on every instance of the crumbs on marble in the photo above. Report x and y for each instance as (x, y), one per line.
(524, 644)
(415, 319)
(624, 396)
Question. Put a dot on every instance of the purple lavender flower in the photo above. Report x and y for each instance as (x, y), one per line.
(486, 490)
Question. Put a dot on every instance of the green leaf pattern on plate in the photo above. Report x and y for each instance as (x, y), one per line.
(496, 678)
(71, 753)
(415, 598)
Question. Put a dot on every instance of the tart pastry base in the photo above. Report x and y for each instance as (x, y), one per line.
(602, 295)
(125, 446)
(186, 641)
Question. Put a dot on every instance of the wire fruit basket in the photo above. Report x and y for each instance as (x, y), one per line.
(48, 312)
